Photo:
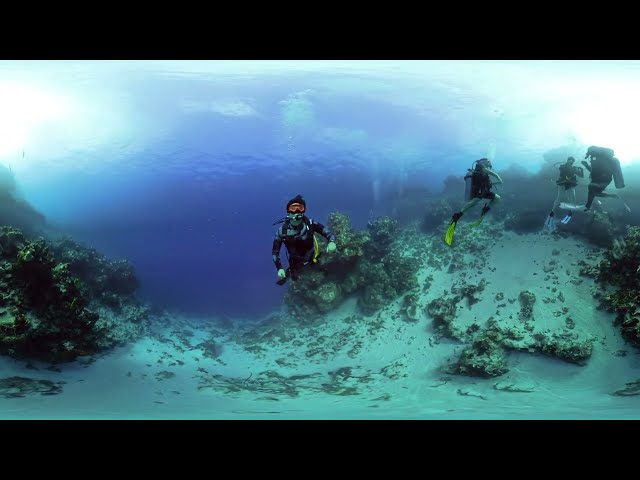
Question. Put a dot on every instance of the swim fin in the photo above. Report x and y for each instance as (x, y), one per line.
(477, 222)
(550, 222)
(566, 219)
(448, 238)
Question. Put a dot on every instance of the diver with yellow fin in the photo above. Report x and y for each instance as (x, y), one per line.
(297, 232)
(477, 187)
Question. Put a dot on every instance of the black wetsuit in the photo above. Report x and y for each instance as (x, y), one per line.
(299, 243)
(481, 185)
(601, 176)
(569, 176)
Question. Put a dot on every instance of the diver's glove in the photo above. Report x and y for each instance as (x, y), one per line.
(281, 273)
(331, 247)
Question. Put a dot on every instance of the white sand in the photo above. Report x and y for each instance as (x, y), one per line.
(399, 365)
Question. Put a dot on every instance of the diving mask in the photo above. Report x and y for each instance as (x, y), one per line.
(296, 208)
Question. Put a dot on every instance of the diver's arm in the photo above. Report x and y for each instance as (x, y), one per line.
(496, 176)
(324, 231)
(586, 165)
(275, 251)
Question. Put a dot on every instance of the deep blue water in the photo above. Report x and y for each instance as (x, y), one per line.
(206, 248)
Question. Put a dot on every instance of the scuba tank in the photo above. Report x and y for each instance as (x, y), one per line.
(618, 179)
(476, 166)
(468, 182)
(565, 172)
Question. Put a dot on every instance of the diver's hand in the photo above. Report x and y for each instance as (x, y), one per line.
(331, 247)
(281, 273)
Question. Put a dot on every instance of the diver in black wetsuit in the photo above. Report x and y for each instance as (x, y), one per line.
(604, 168)
(567, 182)
(297, 232)
(478, 184)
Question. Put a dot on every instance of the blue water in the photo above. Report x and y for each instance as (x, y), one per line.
(207, 248)
(182, 167)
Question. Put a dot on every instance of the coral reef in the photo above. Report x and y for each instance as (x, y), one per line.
(58, 310)
(619, 270)
(410, 307)
(382, 232)
(368, 265)
(485, 357)
(352, 243)
(469, 291)
(565, 346)
(527, 300)
(443, 311)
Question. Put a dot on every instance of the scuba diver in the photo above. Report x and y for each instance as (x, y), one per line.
(297, 232)
(477, 187)
(567, 182)
(603, 169)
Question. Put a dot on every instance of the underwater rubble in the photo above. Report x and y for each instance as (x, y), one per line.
(486, 344)
(16, 387)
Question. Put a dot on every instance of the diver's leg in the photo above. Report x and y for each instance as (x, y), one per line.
(626, 207)
(448, 238)
(492, 197)
(593, 189)
(607, 195)
(549, 222)
(470, 204)
(496, 198)
(294, 268)
(558, 199)
(569, 194)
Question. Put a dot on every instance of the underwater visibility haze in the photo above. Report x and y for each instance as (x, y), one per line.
(457, 239)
